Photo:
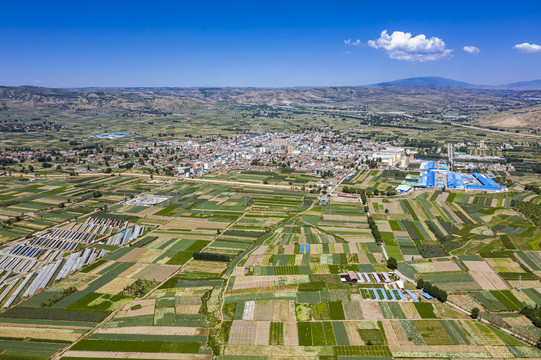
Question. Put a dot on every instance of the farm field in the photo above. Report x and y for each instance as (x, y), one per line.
(261, 273)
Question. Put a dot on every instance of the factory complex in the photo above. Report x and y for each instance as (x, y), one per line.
(436, 175)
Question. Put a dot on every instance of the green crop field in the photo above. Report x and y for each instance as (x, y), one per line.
(265, 255)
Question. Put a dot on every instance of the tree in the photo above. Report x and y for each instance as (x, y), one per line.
(475, 313)
(392, 263)
(420, 284)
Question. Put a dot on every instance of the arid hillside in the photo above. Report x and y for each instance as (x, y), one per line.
(526, 117)
(432, 101)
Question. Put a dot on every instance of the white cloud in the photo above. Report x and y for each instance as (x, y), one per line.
(356, 43)
(402, 46)
(474, 50)
(528, 48)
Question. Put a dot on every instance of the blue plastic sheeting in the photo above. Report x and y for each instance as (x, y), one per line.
(485, 180)
(412, 296)
(483, 187)
(361, 277)
(421, 182)
(431, 179)
(305, 249)
(400, 294)
(387, 279)
(392, 294)
(367, 278)
(375, 291)
(487, 183)
(427, 295)
(384, 294)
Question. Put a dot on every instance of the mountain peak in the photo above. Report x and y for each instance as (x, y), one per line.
(437, 81)
(431, 81)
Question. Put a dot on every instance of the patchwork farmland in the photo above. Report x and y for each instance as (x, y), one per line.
(271, 273)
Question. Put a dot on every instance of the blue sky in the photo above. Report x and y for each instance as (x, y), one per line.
(265, 43)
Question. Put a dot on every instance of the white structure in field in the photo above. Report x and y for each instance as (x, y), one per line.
(148, 200)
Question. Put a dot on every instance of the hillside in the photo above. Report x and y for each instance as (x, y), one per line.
(529, 117)
(21, 101)
(25, 99)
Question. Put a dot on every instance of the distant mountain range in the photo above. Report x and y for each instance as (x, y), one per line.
(431, 94)
(435, 81)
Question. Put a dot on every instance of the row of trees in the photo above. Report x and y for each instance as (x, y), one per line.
(375, 231)
(362, 192)
(432, 290)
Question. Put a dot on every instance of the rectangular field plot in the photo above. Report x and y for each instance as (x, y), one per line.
(425, 310)
(453, 282)
(138, 346)
(432, 332)
(363, 351)
(391, 310)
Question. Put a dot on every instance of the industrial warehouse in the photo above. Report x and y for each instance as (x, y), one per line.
(436, 175)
